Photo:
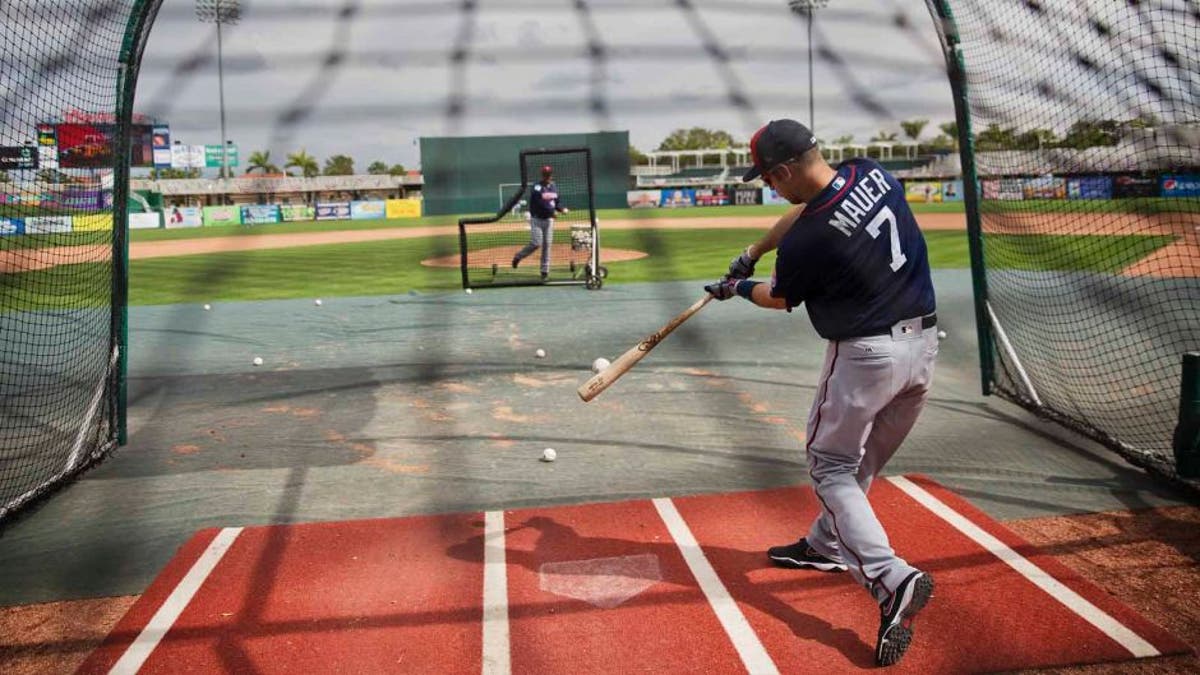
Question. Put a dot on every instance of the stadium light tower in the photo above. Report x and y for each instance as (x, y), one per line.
(806, 8)
(220, 12)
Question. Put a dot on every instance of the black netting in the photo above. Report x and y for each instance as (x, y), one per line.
(61, 77)
(490, 246)
(1086, 139)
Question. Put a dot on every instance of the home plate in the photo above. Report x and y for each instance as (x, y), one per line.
(602, 582)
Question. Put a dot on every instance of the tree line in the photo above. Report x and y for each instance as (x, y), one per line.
(301, 162)
(1083, 133)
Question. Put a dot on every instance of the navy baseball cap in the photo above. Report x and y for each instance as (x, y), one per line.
(776, 143)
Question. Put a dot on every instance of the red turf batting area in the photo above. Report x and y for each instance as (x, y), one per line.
(666, 585)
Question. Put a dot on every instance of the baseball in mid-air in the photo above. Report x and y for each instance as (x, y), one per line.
(207, 307)
(540, 353)
(549, 455)
(600, 364)
(317, 302)
(941, 335)
(258, 361)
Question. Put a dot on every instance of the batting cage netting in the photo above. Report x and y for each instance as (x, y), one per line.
(65, 93)
(1081, 122)
(516, 247)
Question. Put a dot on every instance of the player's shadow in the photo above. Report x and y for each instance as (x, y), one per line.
(735, 568)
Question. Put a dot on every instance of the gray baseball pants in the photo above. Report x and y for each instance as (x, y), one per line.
(872, 389)
(541, 234)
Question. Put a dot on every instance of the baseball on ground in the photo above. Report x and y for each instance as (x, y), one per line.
(549, 455)
(941, 335)
(600, 364)
(540, 353)
(258, 361)
(468, 291)
(317, 302)
(207, 307)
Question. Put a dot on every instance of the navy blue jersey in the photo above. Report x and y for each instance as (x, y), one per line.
(543, 199)
(855, 256)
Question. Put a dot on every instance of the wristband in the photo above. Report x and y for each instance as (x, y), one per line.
(745, 288)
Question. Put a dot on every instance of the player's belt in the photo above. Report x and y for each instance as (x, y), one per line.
(927, 321)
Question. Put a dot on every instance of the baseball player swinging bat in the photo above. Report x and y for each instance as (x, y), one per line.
(605, 378)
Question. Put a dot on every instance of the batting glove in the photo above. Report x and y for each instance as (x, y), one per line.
(723, 289)
(742, 267)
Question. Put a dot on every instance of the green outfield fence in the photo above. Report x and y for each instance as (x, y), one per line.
(1082, 101)
(463, 174)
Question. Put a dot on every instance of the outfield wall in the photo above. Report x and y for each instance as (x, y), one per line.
(462, 174)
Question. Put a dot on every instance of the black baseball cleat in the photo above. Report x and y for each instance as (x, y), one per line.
(896, 618)
(516, 261)
(545, 276)
(802, 556)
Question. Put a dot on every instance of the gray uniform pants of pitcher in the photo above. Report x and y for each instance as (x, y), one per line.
(872, 389)
(541, 234)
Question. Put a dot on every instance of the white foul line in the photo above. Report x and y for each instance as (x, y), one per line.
(496, 658)
(137, 653)
(745, 640)
(1053, 587)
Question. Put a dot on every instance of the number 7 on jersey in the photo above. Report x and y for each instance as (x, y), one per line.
(886, 215)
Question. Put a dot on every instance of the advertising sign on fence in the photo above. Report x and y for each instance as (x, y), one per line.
(18, 157)
(222, 215)
(1044, 187)
(712, 197)
(1181, 185)
(375, 209)
(12, 226)
(260, 214)
(184, 216)
(144, 221)
(643, 199)
(80, 199)
(1012, 189)
(924, 192)
(403, 208)
(1129, 185)
(769, 196)
(1089, 187)
(333, 211)
(48, 225)
(747, 196)
(95, 222)
(293, 212)
(674, 198)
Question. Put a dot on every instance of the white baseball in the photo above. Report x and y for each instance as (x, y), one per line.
(207, 307)
(469, 291)
(540, 353)
(258, 361)
(317, 302)
(600, 364)
(549, 455)
(941, 335)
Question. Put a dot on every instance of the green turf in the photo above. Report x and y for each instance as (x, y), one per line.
(1094, 253)
(393, 266)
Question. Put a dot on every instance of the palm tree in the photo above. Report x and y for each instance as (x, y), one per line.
(884, 136)
(913, 128)
(305, 162)
(339, 165)
(261, 160)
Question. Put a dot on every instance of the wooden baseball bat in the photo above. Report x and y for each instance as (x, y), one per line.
(605, 378)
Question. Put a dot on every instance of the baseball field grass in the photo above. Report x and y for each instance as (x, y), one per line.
(393, 266)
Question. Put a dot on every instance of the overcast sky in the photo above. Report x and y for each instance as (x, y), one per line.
(369, 77)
